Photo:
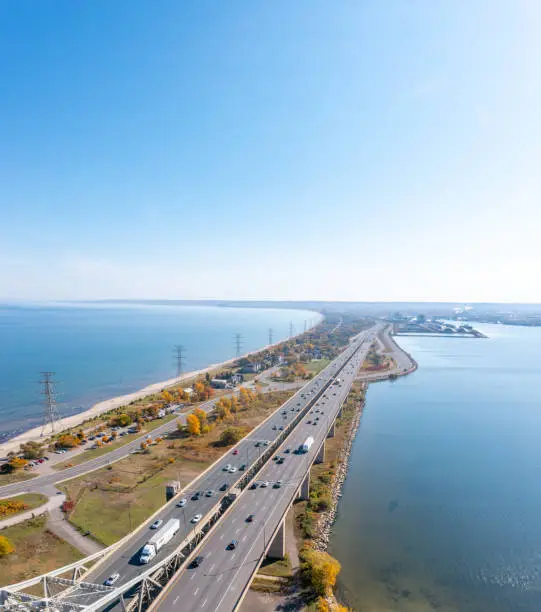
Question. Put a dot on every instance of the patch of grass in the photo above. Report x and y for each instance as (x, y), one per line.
(111, 446)
(18, 476)
(31, 500)
(265, 586)
(37, 551)
(279, 567)
(317, 365)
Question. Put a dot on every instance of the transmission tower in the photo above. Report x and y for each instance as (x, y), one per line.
(291, 329)
(304, 325)
(179, 357)
(271, 335)
(50, 411)
(238, 344)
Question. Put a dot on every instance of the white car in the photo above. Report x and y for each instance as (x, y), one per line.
(227, 467)
(197, 518)
(157, 524)
(232, 469)
(264, 484)
(182, 503)
(112, 579)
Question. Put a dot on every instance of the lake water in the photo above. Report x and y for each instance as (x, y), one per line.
(101, 351)
(441, 509)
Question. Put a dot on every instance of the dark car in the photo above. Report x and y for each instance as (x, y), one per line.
(242, 467)
(197, 561)
(253, 485)
(308, 422)
(195, 496)
(224, 487)
(232, 545)
(250, 518)
(287, 450)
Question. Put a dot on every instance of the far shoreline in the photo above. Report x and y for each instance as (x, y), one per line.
(34, 434)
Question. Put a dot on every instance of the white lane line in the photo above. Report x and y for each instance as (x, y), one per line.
(222, 536)
(176, 599)
(219, 577)
(244, 539)
(237, 530)
(192, 576)
(203, 604)
(196, 591)
(212, 567)
(209, 553)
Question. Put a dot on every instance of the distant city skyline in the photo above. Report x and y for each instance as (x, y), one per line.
(356, 151)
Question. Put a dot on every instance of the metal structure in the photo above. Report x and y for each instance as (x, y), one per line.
(179, 357)
(50, 412)
(238, 344)
(271, 335)
(291, 329)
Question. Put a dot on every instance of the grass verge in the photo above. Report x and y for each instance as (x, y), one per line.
(37, 551)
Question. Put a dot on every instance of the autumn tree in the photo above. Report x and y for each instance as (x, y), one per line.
(193, 424)
(18, 462)
(120, 420)
(202, 417)
(6, 547)
(320, 570)
(167, 397)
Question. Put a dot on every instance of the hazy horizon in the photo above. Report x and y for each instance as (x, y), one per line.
(365, 152)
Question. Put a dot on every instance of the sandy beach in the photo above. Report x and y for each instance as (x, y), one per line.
(34, 434)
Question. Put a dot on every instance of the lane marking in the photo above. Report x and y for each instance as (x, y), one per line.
(203, 604)
(196, 591)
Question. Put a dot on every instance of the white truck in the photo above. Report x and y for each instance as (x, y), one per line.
(159, 539)
(306, 445)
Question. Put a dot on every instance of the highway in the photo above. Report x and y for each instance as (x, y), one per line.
(219, 582)
(124, 560)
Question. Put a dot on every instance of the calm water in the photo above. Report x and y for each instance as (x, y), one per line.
(442, 505)
(99, 352)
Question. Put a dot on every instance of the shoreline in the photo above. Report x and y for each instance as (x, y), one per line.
(103, 406)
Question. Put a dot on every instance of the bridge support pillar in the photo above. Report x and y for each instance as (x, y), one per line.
(331, 430)
(321, 454)
(277, 549)
(304, 489)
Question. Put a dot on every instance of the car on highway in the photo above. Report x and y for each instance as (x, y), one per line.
(209, 493)
(112, 579)
(314, 423)
(195, 497)
(242, 467)
(157, 524)
(264, 484)
(232, 545)
(182, 503)
(281, 428)
(224, 487)
(277, 484)
(227, 467)
(197, 561)
(274, 428)
(232, 469)
(266, 443)
(280, 461)
(287, 451)
(236, 451)
(197, 518)
(309, 422)
(250, 518)
(253, 486)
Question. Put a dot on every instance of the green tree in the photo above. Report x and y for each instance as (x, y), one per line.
(231, 436)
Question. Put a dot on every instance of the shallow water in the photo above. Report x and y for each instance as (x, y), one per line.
(441, 509)
(101, 351)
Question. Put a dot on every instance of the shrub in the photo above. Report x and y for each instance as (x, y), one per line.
(6, 547)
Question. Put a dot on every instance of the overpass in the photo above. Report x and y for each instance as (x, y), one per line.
(80, 587)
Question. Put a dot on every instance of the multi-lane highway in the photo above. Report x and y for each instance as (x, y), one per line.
(224, 573)
(125, 560)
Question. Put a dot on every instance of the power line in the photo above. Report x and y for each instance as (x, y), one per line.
(50, 411)
(178, 351)
(238, 344)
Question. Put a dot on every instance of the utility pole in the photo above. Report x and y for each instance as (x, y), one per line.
(178, 351)
(271, 335)
(50, 412)
(238, 344)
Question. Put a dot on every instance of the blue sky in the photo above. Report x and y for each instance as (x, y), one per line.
(313, 149)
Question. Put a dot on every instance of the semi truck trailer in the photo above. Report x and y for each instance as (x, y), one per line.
(158, 540)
